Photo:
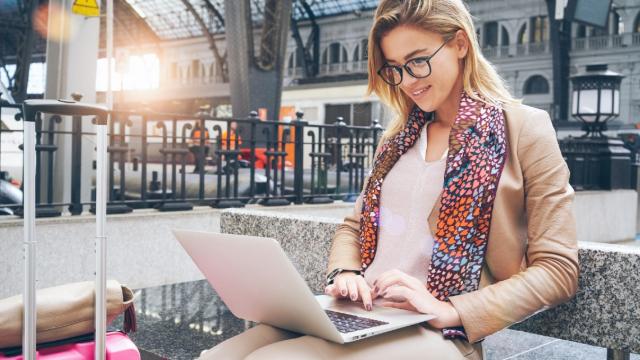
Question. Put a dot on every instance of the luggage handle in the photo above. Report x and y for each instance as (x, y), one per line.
(71, 108)
(64, 107)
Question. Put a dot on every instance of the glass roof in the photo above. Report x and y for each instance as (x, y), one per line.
(170, 19)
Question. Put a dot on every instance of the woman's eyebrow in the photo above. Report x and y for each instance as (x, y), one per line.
(413, 53)
(409, 55)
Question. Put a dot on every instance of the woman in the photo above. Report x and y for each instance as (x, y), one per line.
(467, 213)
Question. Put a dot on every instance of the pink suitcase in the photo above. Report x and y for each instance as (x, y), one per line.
(119, 347)
(101, 345)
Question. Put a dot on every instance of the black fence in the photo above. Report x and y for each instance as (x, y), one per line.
(172, 162)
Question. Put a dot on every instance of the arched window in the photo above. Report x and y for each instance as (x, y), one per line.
(581, 31)
(364, 45)
(636, 24)
(360, 53)
(334, 54)
(536, 84)
(539, 29)
(195, 68)
(617, 24)
(522, 35)
(290, 64)
(505, 37)
(490, 34)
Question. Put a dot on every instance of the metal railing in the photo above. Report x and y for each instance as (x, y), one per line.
(162, 161)
(615, 41)
(594, 43)
(331, 69)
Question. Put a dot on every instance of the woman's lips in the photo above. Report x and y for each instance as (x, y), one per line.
(420, 92)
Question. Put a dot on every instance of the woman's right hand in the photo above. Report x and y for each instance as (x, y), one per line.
(348, 284)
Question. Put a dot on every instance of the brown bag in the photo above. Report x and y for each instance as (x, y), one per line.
(64, 311)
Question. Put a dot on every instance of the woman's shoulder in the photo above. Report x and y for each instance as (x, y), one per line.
(520, 115)
(530, 134)
(526, 123)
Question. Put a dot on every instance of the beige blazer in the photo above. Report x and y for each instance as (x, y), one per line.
(531, 262)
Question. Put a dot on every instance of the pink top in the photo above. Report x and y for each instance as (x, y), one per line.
(408, 194)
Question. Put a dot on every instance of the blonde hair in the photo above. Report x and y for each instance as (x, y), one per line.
(445, 17)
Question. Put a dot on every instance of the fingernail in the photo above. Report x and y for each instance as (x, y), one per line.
(343, 292)
(354, 297)
(375, 289)
(368, 307)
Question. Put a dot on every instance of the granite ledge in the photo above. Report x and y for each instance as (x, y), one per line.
(605, 311)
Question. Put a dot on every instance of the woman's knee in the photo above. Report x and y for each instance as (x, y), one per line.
(239, 346)
(302, 348)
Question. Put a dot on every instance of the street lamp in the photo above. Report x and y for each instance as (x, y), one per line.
(596, 162)
(596, 98)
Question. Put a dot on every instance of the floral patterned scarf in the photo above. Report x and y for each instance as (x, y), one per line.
(476, 157)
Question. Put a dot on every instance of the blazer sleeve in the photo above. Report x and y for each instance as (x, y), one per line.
(345, 245)
(551, 276)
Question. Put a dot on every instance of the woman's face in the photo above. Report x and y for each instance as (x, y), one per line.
(404, 43)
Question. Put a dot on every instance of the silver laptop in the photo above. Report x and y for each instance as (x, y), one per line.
(257, 282)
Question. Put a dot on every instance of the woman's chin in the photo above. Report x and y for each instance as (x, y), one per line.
(425, 105)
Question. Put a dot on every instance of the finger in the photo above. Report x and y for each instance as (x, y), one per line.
(398, 293)
(390, 274)
(353, 288)
(332, 290)
(395, 280)
(365, 293)
(384, 275)
(374, 294)
(342, 286)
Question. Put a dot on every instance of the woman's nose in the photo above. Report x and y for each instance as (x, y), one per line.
(407, 81)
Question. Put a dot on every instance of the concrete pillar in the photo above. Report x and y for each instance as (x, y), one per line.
(253, 87)
(71, 67)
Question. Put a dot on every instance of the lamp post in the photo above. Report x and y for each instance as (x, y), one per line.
(596, 162)
(596, 98)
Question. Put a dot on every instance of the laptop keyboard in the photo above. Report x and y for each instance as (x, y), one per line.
(347, 323)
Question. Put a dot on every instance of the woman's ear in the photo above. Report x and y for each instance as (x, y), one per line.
(461, 44)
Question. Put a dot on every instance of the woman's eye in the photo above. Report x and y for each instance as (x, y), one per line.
(419, 62)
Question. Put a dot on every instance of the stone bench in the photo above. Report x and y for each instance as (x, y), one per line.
(604, 313)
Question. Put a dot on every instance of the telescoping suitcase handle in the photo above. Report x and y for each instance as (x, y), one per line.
(62, 107)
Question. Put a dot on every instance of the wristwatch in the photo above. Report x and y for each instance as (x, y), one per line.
(332, 275)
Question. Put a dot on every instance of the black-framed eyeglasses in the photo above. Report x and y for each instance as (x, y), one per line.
(419, 67)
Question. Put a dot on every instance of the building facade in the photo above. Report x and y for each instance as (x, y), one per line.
(514, 35)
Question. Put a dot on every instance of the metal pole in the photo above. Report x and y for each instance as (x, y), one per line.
(29, 215)
(298, 172)
(101, 243)
(101, 204)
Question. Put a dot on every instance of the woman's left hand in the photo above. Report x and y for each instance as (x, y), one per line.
(403, 291)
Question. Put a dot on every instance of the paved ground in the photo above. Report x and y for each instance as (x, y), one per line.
(517, 345)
